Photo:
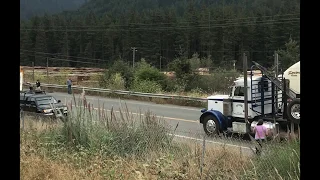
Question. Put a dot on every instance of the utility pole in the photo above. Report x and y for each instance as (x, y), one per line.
(276, 63)
(209, 35)
(102, 51)
(47, 68)
(134, 49)
(67, 48)
(223, 30)
(81, 42)
(160, 63)
(245, 75)
(234, 64)
(32, 71)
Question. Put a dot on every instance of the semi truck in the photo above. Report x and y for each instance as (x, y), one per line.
(273, 98)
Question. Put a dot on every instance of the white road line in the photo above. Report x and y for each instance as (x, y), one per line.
(214, 142)
(146, 104)
(164, 117)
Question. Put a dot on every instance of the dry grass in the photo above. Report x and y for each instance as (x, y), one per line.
(37, 124)
(34, 167)
(108, 153)
(36, 163)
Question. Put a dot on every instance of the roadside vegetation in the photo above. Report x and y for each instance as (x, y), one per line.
(115, 144)
(145, 78)
(194, 77)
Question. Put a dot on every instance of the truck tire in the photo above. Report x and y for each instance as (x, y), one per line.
(293, 110)
(211, 125)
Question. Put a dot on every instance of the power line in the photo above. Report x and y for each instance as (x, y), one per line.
(217, 25)
(155, 29)
(145, 48)
(67, 60)
(99, 43)
(53, 54)
(292, 20)
(205, 21)
(182, 22)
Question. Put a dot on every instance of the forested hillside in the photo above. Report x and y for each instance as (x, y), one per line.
(102, 31)
(30, 8)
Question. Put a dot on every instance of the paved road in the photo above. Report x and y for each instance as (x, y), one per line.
(187, 117)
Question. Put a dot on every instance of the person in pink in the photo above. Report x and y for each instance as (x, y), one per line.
(261, 134)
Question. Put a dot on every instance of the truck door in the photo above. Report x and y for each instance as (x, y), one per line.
(238, 102)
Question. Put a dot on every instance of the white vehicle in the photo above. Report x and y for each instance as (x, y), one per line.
(292, 75)
(226, 113)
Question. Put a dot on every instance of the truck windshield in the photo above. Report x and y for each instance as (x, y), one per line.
(46, 100)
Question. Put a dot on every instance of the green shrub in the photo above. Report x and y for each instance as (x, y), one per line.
(170, 85)
(181, 67)
(218, 81)
(145, 72)
(146, 86)
(116, 82)
(195, 62)
(121, 67)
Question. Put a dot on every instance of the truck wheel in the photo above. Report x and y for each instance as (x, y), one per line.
(211, 125)
(293, 110)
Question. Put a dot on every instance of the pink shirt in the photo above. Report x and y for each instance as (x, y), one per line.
(260, 132)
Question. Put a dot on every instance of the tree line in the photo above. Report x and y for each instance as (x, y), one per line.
(102, 32)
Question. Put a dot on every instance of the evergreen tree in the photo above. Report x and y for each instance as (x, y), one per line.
(217, 30)
(40, 47)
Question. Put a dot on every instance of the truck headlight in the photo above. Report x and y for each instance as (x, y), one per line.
(47, 110)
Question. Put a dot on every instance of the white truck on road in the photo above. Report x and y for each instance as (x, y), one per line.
(226, 113)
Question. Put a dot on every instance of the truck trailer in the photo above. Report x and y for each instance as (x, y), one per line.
(275, 99)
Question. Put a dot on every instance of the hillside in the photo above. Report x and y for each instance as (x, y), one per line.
(30, 8)
(122, 7)
(102, 31)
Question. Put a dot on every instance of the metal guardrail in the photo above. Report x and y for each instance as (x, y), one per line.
(131, 93)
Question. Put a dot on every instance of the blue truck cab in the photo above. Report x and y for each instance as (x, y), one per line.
(225, 113)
